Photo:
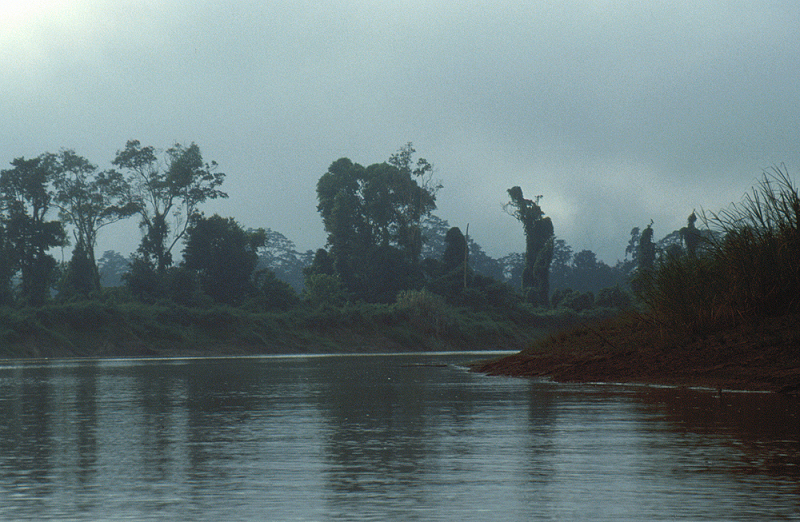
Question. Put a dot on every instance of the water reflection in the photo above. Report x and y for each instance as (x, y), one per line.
(380, 438)
(762, 429)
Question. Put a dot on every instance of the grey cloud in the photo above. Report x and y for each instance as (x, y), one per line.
(617, 112)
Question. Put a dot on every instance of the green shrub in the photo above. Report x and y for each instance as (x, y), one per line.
(323, 290)
(614, 297)
(426, 311)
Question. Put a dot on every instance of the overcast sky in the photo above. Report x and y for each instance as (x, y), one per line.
(616, 112)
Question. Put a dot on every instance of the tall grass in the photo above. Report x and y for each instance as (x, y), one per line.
(749, 267)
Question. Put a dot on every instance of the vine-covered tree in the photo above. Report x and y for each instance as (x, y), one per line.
(538, 245)
(690, 235)
(455, 252)
(26, 202)
(646, 255)
(173, 187)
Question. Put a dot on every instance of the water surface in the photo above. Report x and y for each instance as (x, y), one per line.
(400, 437)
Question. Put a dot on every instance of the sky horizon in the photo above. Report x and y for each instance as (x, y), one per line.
(617, 113)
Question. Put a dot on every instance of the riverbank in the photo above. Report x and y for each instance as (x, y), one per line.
(762, 355)
(97, 329)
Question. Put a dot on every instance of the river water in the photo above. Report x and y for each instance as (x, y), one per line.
(396, 437)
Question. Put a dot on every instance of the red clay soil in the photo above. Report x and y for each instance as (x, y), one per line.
(762, 356)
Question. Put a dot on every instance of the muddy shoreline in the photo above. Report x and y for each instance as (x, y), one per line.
(758, 356)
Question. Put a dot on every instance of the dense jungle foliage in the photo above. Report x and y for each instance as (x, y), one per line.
(392, 274)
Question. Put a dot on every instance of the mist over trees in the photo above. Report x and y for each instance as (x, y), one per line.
(383, 240)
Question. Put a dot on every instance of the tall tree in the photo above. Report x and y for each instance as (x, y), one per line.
(88, 200)
(455, 252)
(224, 256)
(26, 201)
(7, 269)
(279, 255)
(646, 255)
(417, 203)
(690, 235)
(538, 245)
(174, 186)
(372, 215)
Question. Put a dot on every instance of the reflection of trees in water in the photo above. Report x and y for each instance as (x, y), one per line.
(541, 427)
(86, 420)
(371, 439)
(220, 398)
(26, 430)
(159, 393)
(388, 426)
(48, 420)
(763, 429)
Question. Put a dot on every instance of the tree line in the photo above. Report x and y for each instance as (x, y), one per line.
(383, 238)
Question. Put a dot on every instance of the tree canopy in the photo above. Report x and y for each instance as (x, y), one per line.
(26, 202)
(88, 200)
(224, 256)
(372, 216)
(173, 186)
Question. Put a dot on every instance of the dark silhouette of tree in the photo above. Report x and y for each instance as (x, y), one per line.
(446, 277)
(538, 245)
(80, 278)
(273, 293)
(143, 281)
(455, 251)
(88, 200)
(646, 258)
(585, 261)
(7, 269)
(224, 257)
(434, 231)
(26, 201)
(322, 263)
(633, 245)
(691, 236)
(160, 189)
(372, 216)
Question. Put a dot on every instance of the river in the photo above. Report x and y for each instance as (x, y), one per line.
(373, 437)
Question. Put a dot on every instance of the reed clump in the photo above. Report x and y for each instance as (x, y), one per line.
(747, 267)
